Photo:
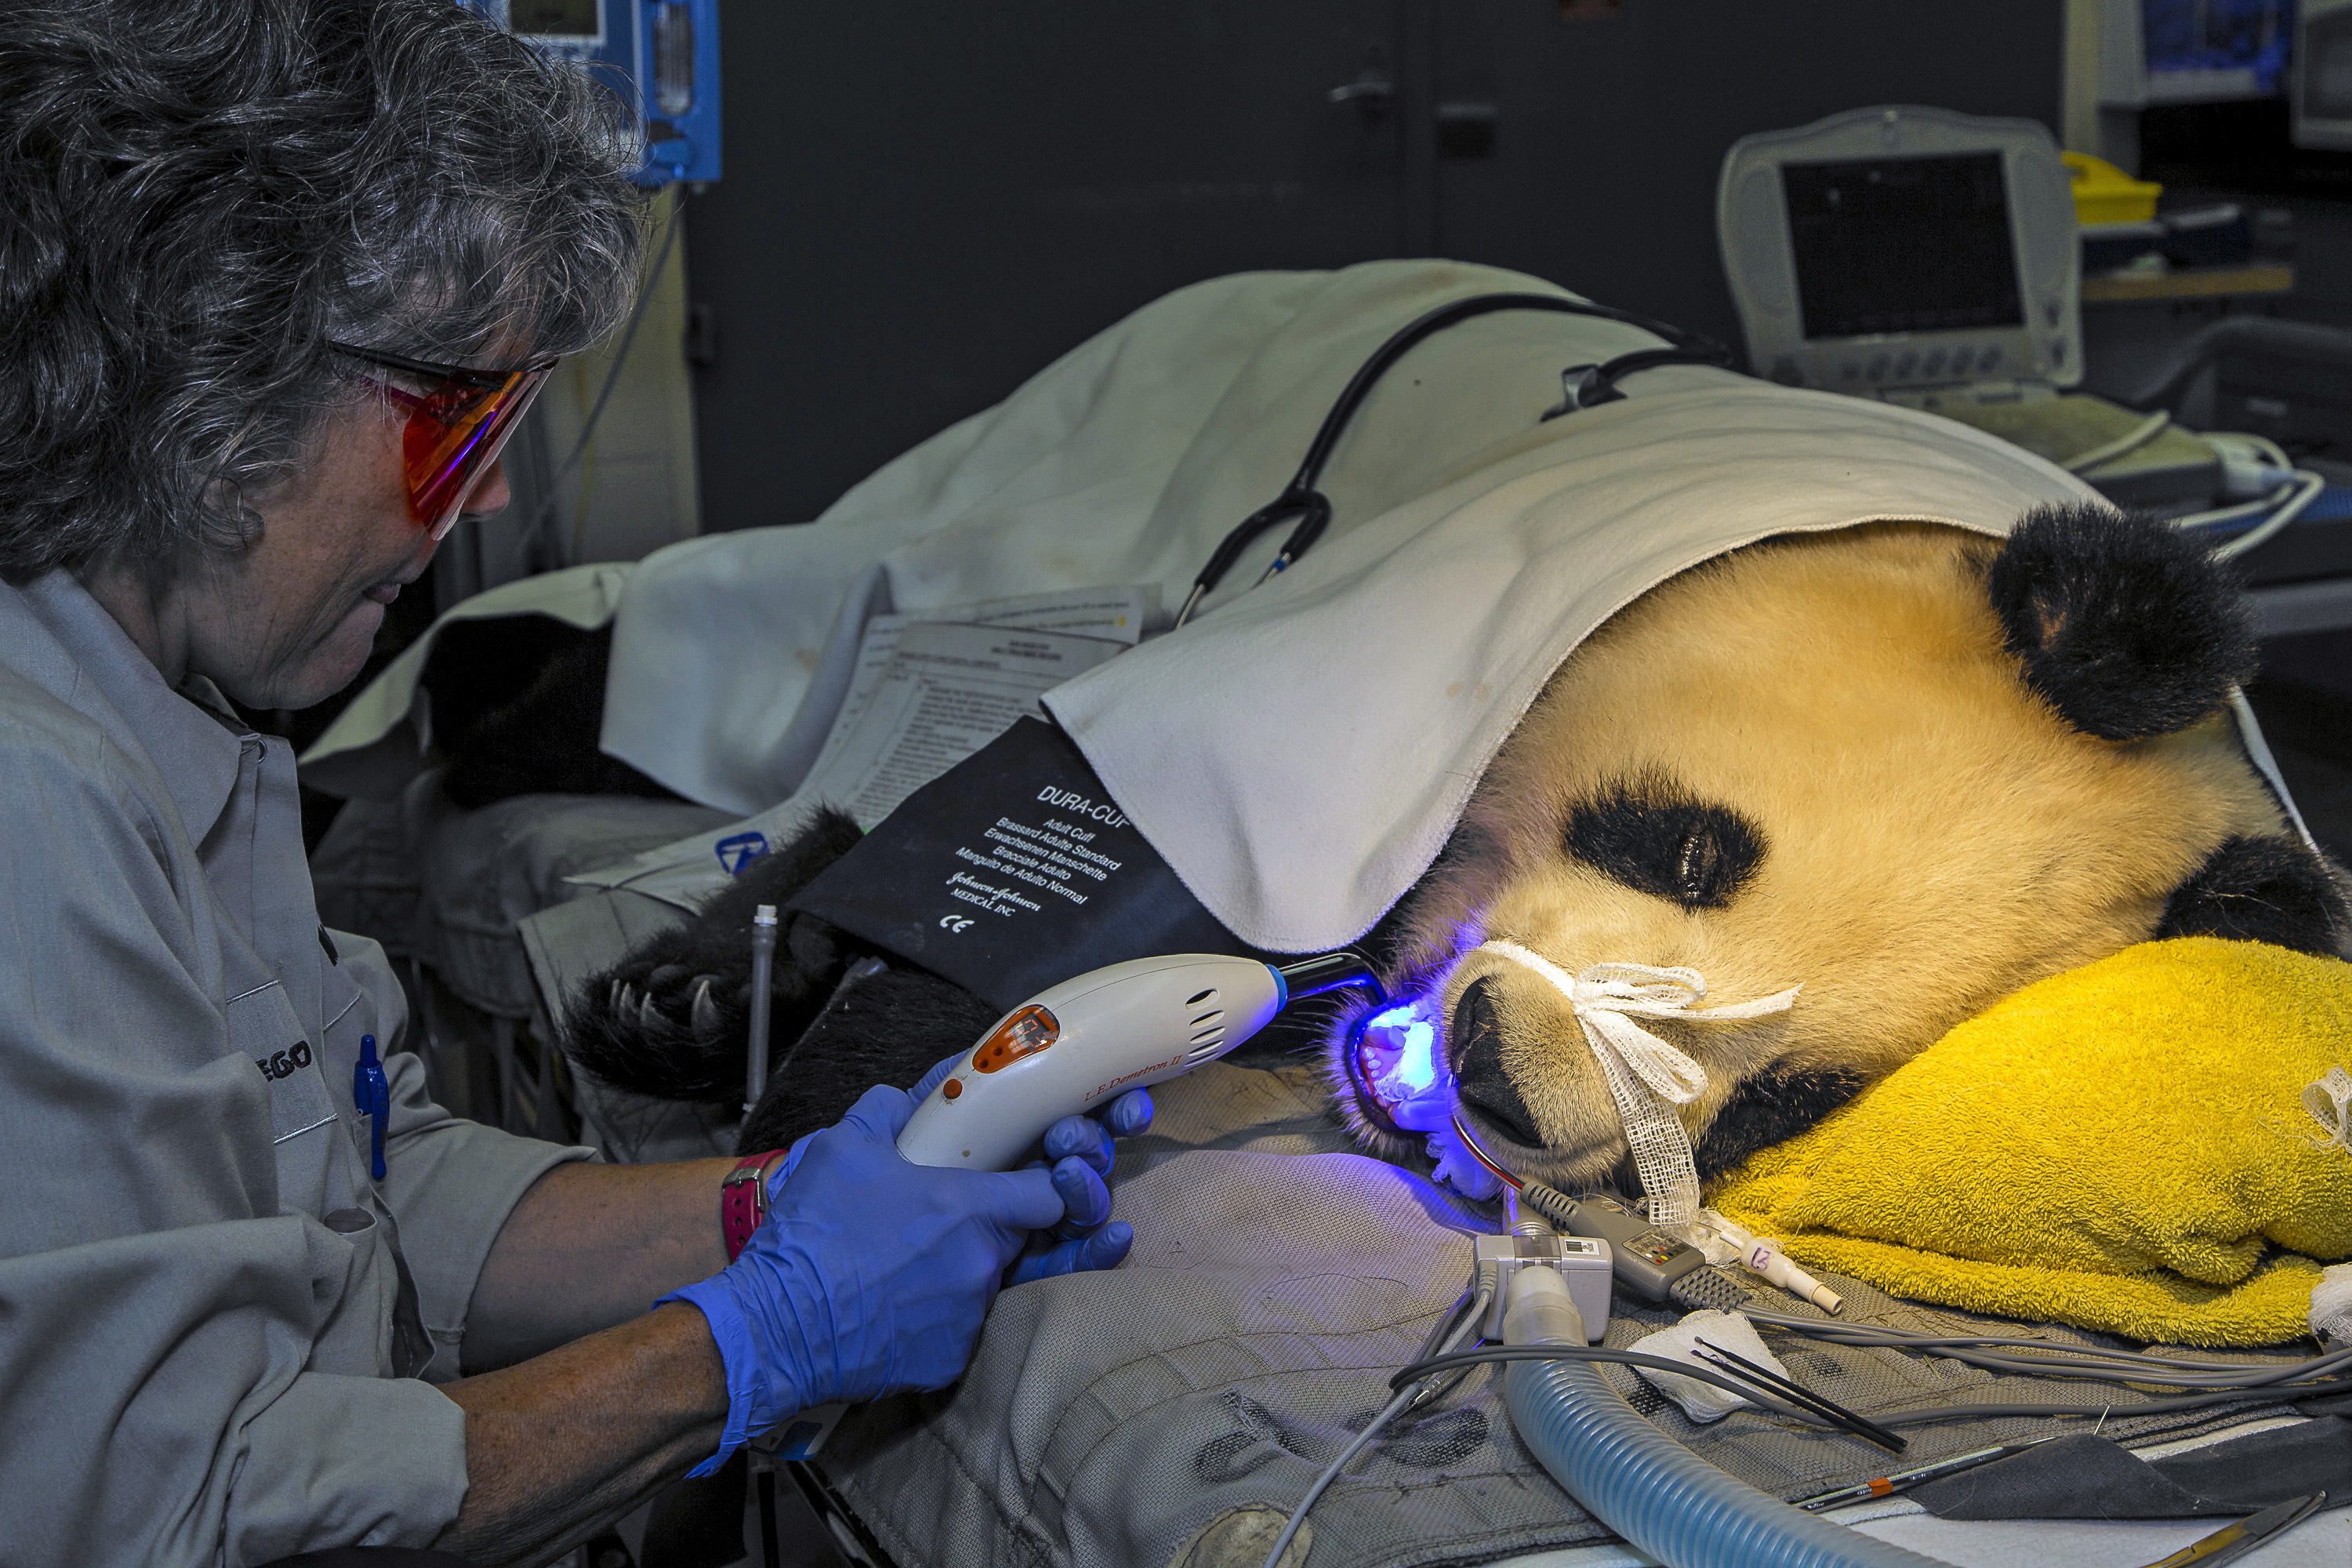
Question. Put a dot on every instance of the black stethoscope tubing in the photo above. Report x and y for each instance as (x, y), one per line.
(1300, 500)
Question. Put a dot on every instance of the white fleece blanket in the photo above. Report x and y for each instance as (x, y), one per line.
(1300, 751)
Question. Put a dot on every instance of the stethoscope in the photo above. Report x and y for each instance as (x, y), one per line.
(1581, 387)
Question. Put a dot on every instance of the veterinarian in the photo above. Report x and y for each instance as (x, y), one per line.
(275, 279)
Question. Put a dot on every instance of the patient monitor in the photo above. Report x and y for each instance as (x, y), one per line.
(1887, 249)
(1929, 259)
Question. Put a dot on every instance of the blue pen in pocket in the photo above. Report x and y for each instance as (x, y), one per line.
(371, 1095)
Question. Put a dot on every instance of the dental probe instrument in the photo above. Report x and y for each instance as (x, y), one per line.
(1894, 1481)
(1772, 1383)
(2235, 1540)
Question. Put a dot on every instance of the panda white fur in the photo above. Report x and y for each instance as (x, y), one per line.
(1906, 768)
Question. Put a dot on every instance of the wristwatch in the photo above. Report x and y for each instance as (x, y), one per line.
(744, 1201)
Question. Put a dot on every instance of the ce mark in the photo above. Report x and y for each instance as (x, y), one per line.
(955, 925)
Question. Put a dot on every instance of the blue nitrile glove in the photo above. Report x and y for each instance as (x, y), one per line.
(1078, 1153)
(869, 1275)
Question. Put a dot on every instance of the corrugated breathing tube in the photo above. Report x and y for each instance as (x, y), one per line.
(1639, 1481)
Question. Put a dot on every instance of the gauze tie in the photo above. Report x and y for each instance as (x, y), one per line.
(1647, 1077)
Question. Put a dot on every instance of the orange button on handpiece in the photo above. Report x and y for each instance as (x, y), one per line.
(1024, 1034)
(952, 1088)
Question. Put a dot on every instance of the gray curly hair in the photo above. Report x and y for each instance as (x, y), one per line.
(195, 195)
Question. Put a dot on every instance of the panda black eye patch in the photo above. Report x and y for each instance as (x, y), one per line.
(1657, 838)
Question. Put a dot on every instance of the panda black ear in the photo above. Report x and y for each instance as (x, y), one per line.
(2126, 626)
(2271, 889)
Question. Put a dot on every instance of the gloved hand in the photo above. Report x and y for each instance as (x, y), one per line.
(1078, 1153)
(871, 1274)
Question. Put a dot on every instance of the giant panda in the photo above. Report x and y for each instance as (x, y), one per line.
(1907, 767)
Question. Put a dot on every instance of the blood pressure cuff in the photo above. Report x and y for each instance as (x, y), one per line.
(1012, 871)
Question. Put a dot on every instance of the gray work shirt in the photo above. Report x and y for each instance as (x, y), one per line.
(210, 1346)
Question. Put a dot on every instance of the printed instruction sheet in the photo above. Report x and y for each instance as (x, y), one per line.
(931, 688)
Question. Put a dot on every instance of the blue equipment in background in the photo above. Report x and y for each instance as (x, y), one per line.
(660, 55)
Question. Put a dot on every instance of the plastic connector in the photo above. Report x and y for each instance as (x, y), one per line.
(1761, 1256)
(1649, 1261)
(1769, 1261)
(1581, 1263)
(2248, 473)
(1542, 1311)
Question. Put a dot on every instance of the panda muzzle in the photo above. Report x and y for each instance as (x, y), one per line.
(1475, 1039)
(1647, 1077)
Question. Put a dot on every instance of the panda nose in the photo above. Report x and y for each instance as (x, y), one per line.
(1476, 1042)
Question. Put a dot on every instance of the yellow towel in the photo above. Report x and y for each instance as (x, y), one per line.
(2123, 1147)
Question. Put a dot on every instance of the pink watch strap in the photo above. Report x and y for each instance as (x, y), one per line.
(744, 1201)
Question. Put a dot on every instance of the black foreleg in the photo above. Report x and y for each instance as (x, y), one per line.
(889, 1028)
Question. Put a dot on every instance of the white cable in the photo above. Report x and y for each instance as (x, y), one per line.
(2270, 451)
(1647, 1077)
(604, 395)
(2236, 512)
(1331, 1472)
(2132, 440)
(2294, 506)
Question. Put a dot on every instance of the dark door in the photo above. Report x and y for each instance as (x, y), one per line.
(924, 203)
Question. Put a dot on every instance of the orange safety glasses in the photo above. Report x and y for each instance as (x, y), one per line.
(455, 427)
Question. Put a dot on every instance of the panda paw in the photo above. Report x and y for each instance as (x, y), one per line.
(672, 1018)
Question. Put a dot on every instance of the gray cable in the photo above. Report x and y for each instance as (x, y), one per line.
(1403, 1397)
(2049, 1359)
(1882, 1334)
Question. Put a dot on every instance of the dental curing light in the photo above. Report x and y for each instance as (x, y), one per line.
(1075, 1046)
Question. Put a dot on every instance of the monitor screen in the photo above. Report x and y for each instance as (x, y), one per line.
(1902, 245)
(554, 18)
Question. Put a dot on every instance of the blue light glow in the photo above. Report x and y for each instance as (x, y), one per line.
(1414, 1066)
(1401, 1044)
(1397, 1052)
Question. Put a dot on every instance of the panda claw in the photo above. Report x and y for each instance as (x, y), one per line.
(649, 1016)
(705, 1012)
